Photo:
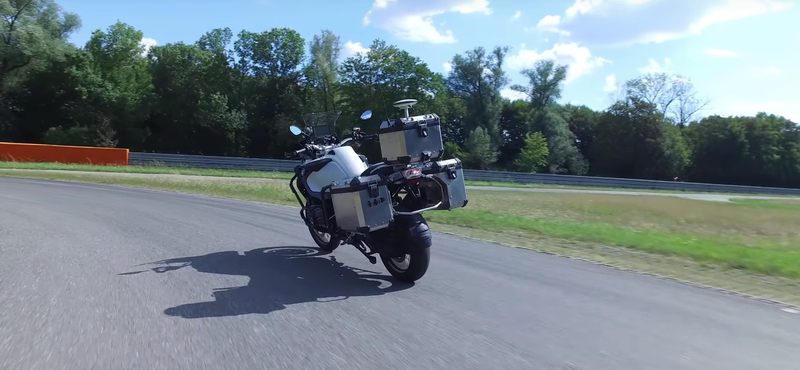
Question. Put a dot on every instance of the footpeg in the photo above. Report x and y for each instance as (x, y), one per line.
(360, 246)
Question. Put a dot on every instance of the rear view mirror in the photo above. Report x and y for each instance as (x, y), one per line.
(295, 130)
(366, 115)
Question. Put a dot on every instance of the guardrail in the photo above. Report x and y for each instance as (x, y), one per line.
(279, 165)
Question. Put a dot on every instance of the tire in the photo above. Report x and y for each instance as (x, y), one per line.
(416, 243)
(410, 267)
(325, 241)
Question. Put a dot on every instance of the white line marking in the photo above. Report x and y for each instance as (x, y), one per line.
(790, 310)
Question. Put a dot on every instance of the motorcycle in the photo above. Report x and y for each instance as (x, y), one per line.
(376, 208)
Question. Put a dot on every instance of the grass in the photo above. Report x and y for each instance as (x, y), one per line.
(150, 169)
(749, 245)
(156, 169)
(742, 235)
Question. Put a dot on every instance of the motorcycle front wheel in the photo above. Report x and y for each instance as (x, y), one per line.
(325, 241)
(409, 267)
(414, 258)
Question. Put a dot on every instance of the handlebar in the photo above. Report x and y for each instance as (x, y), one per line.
(356, 136)
(294, 153)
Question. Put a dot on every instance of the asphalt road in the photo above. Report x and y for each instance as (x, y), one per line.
(101, 277)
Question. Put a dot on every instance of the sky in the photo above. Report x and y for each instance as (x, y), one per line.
(741, 55)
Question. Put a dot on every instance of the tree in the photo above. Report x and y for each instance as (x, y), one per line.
(322, 71)
(545, 80)
(673, 95)
(476, 79)
(514, 124)
(278, 52)
(480, 152)
(64, 93)
(225, 81)
(563, 157)
(763, 150)
(117, 57)
(32, 32)
(187, 114)
(76, 135)
(582, 122)
(534, 154)
(381, 76)
(204, 97)
(386, 74)
(273, 95)
(634, 141)
(455, 112)
(453, 150)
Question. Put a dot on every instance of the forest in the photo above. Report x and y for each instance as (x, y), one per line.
(235, 94)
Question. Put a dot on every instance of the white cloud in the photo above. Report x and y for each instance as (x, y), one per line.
(516, 15)
(147, 43)
(627, 22)
(772, 71)
(654, 67)
(578, 58)
(549, 23)
(611, 84)
(413, 19)
(447, 66)
(513, 95)
(721, 53)
(350, 49)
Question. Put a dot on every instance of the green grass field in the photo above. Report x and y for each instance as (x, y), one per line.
(145, 169)
(277, 175)
(750, 245)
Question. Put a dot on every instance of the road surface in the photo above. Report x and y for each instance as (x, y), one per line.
(102, 277)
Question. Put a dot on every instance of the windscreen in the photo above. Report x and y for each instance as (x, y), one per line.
(322, 123)
(322, 131)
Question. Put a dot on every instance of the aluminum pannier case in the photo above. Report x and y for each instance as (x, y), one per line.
(362, 204)
(449, 174)
(411, 139)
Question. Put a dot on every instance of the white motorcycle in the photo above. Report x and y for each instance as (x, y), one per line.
(376, 208)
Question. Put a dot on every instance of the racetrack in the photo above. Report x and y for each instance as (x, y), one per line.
(103, 277)
(714, 197)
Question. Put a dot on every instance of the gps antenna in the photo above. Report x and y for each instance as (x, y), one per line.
(405, 105)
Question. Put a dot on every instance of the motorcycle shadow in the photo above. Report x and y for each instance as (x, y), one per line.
(279, 276)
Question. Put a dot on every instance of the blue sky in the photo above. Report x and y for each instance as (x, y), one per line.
(741, 54)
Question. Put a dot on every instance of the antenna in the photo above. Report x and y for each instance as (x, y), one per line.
(380, 89)
(405, 105)
(383, 102)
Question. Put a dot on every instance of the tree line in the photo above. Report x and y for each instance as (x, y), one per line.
(211, 98)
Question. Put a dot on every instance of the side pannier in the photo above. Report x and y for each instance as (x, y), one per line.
(362, 204)
(448, 185)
